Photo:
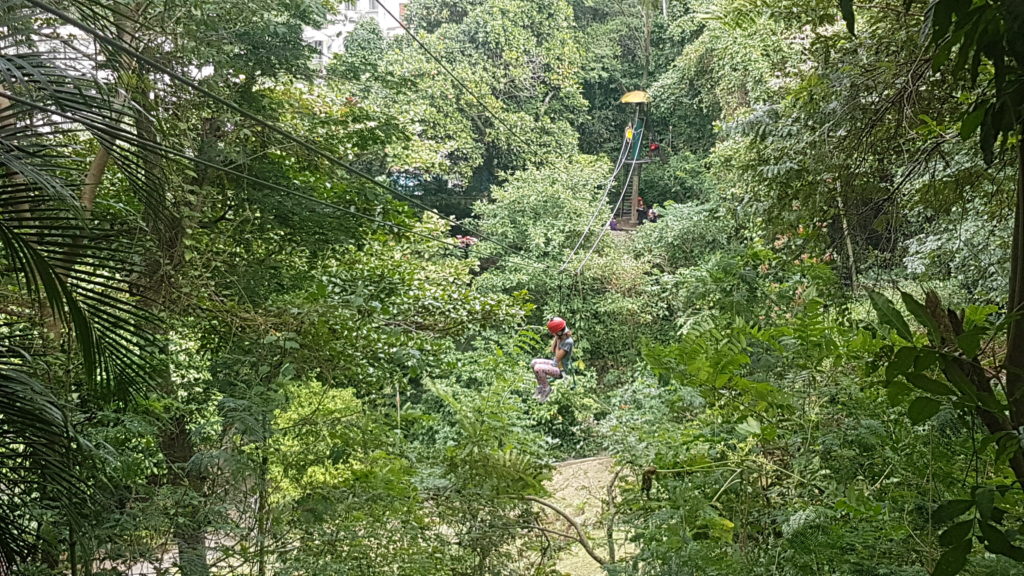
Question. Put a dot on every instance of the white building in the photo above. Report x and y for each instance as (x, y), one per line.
(331, 39)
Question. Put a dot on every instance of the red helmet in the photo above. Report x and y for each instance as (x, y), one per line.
(556, 325)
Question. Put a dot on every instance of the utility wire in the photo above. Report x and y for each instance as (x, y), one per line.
(449, 72)
(113, 43)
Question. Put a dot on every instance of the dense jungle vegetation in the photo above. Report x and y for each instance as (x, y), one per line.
(242, 330)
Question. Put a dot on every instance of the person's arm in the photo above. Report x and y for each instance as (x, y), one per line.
(559, 355)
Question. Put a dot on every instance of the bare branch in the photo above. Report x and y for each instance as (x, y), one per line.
(575, 525)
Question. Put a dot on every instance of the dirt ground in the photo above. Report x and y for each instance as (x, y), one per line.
(580, 488)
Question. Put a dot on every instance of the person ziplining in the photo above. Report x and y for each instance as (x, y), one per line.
(558, 366)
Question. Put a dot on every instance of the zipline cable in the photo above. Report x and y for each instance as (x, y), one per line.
(315, 150)
(605, 229)
(600, 204)
(632, 167)
(626, 144)
(449, 72)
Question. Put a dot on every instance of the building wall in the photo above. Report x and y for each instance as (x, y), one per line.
(331, 38)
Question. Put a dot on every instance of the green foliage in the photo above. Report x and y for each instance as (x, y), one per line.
(544, 211)
(593, 279)
(963, 391)
(515, 102)
(685, 235)
(341, 492)
(968, 257)
(983, 35)
(681, 178)
(332, 394)
(39, 457)
(767, 432)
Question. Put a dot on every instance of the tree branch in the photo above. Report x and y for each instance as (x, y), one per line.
(575, 525)
(565, 535)
(610, 530)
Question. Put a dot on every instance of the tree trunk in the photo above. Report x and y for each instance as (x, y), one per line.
(161, 271)
(1014, 363)
(263, 500)
(93, 178)
(98, 167)
(846, 237)
(612, 513)
(262, 515)
(189, 528)
(6, 123)
(646, 46)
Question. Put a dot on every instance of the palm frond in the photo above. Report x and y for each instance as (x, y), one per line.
(36, 458)
(61, 106)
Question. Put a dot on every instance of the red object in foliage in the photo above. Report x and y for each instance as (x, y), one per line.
(655, 146)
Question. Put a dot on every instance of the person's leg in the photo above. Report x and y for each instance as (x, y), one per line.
(542, 380)
(542, 369)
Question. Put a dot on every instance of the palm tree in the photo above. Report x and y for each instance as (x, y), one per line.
(67, 121)
(78, 81)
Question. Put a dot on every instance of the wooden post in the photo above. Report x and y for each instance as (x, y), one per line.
(637, 167)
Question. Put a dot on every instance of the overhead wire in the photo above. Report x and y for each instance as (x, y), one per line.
(453, 76)
(102, 38)
(153, 146)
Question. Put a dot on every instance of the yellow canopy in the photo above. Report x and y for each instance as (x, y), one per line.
(635, 97)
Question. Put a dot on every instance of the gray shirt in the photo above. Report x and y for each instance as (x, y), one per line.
(567, 346)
